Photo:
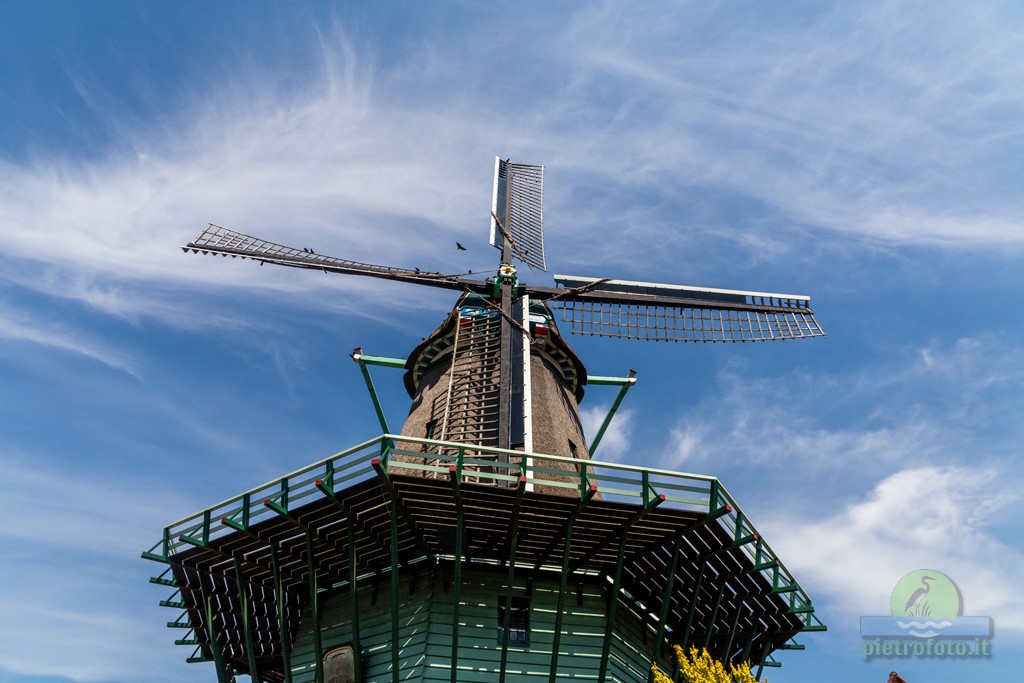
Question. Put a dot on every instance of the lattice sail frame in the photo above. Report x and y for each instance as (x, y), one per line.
(658, 312)
(662, 323)
(219, 239)
(519, 202)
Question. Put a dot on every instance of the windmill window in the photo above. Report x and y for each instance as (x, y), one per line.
(428, 434)
(572, 454)
(518, 622)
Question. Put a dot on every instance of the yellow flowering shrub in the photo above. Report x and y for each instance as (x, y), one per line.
(699, 667)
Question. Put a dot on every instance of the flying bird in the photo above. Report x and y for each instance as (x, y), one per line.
(458, 245)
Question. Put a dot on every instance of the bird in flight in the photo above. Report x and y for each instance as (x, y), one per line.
(458, 245)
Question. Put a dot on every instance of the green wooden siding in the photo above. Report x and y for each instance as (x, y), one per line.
(425, 631)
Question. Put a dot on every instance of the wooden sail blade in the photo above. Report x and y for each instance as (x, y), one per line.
(216, 239)
(661, 312)
(517, 208)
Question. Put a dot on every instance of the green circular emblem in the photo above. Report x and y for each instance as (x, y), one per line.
(926, 593)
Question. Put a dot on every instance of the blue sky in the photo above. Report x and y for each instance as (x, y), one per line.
(867, 154)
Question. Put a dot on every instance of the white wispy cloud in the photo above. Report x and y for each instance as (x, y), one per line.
(19, 326)
(923, 405)
(920, 518)
(826, 118)
(392, 164)
(73, 554)
(860, 476)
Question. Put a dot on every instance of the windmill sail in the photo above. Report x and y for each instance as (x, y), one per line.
(661, 312)
(217, 239)
(517, 211)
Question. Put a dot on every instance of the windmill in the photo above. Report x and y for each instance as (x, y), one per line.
(488, 496)
(591, 306)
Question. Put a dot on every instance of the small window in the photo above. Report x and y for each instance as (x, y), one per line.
(340, 665)
(518, 622)
(429, 434)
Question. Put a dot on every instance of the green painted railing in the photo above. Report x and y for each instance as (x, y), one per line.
(373, 458)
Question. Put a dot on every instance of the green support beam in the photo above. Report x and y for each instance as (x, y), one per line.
(407, 517)
(326, 487)
(382, 361)
(732, 633)
(164, 580)
(513, 547)
(624, 384)
(750, 643)
(314, 603)
(310, 532)
(243, 601)
(279, 504)
(617, 582)
(612, 609)
(216, 647)
(764, 655)
(269, 542)
(693, 607)
(454, 472)
(163, 545)
(363, 361)
(563, 585)
(353, 593)
(393, 514)
(666, 601)
(702, 522)
(282, 618)
(714, 611)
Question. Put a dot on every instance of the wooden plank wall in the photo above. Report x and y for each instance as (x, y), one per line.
(425, 631)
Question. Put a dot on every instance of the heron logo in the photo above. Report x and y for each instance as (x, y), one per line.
(930, 601)
(927, 621)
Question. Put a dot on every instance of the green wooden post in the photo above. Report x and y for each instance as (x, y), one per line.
(612, 608)
(314, 601)
(563, 584)
(556, 644)
(454, 472)
(666, 600)
(750, 643)
(282, 619)
(513, 546)
(764, 655)
(357, 646)
(693, 607)
(393, 510)
(714, 611)
(732, 633)
(243, 602)
(650, 503)
(211, 629)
